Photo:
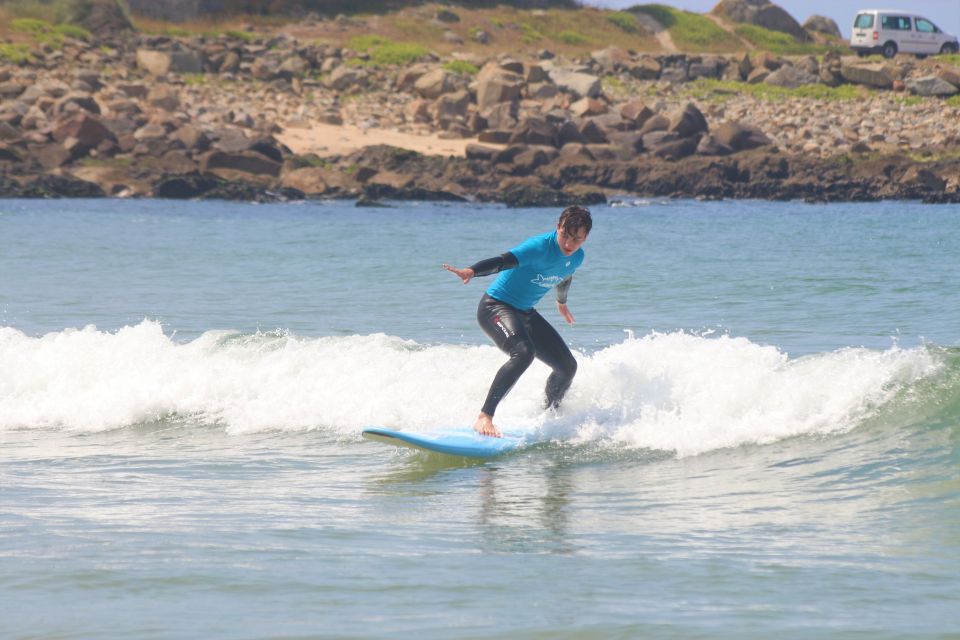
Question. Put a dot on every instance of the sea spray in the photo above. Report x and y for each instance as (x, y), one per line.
(669, 391)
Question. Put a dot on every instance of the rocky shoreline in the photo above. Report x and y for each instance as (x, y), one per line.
(207, 118)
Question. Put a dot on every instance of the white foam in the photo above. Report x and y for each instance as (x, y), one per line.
(674, 391)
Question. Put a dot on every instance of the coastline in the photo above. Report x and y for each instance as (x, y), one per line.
(228, 118)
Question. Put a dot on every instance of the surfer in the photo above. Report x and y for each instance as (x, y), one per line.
(506, 312)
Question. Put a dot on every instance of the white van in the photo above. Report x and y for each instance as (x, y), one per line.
(890, 32)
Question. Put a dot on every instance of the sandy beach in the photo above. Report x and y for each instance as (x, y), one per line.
(334, 140)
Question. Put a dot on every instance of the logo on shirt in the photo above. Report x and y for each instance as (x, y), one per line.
(546, 283)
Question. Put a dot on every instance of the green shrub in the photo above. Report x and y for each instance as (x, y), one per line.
(385, 52)
(571, 37)
(625, 21)
(15, 53)
(31, 26)
(462, 67)
(72, 31)
(398, 53)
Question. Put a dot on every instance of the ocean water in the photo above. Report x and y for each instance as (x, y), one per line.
(763, 438)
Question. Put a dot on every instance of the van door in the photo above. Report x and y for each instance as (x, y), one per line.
(928, 36)
(898, 28)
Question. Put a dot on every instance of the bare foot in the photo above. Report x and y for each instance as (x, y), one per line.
(484, 426)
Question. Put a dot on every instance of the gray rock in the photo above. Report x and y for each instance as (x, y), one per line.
(646, 68)
(345, 77)
(822, 24)
(762, 13)
(930, 86)
(576, 83)
(791, 77)
(496, 85)
(688, 121)
(434, 83)
(739, 136)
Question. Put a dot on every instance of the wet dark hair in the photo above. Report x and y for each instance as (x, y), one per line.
(575, 217)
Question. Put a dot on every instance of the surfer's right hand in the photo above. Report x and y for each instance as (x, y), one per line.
(464, 274)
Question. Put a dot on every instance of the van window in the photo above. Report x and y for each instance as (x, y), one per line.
(863, 21)
(925, 26)
(895, 23)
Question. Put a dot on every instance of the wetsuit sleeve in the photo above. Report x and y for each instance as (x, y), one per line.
(495, 265)
(563, 288)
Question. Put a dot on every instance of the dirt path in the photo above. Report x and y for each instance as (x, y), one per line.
(726, 26)
(661, 34)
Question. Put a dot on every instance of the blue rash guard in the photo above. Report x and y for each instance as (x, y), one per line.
(541, 266)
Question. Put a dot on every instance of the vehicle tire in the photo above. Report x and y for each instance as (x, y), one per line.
(948, 49)
(862, 54)
(921, 56)
(889, 50)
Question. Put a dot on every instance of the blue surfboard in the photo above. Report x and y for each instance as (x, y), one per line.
(462, 441)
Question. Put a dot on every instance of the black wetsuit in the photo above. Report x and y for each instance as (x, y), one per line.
(523, 335)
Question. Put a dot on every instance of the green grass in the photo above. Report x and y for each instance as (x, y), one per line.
(366, 43)
(237, 34)
(775, 41)
(531, 34)
(15, 53)
(46, 10)
(953, 101)
(690, 31)
(953, 58)
(386, 52)
(722, 90)
(625, 21)
(462, 67)
(45, 33)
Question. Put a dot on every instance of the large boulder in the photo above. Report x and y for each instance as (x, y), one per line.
(877, 75)
(434, 83)
(246, 162)
(687, 122)
(577, 83)
(824, 25)
(87, 130)
(309, 180)
(495, 85)
(762, 13)
(612, 59)
(535, 130)
(345, 77)
(739, 136)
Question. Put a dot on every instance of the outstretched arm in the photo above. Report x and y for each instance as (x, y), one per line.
(485, 267)
(562, 289)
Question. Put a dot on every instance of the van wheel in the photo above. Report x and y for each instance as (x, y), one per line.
(890, 50)
(948, 49)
